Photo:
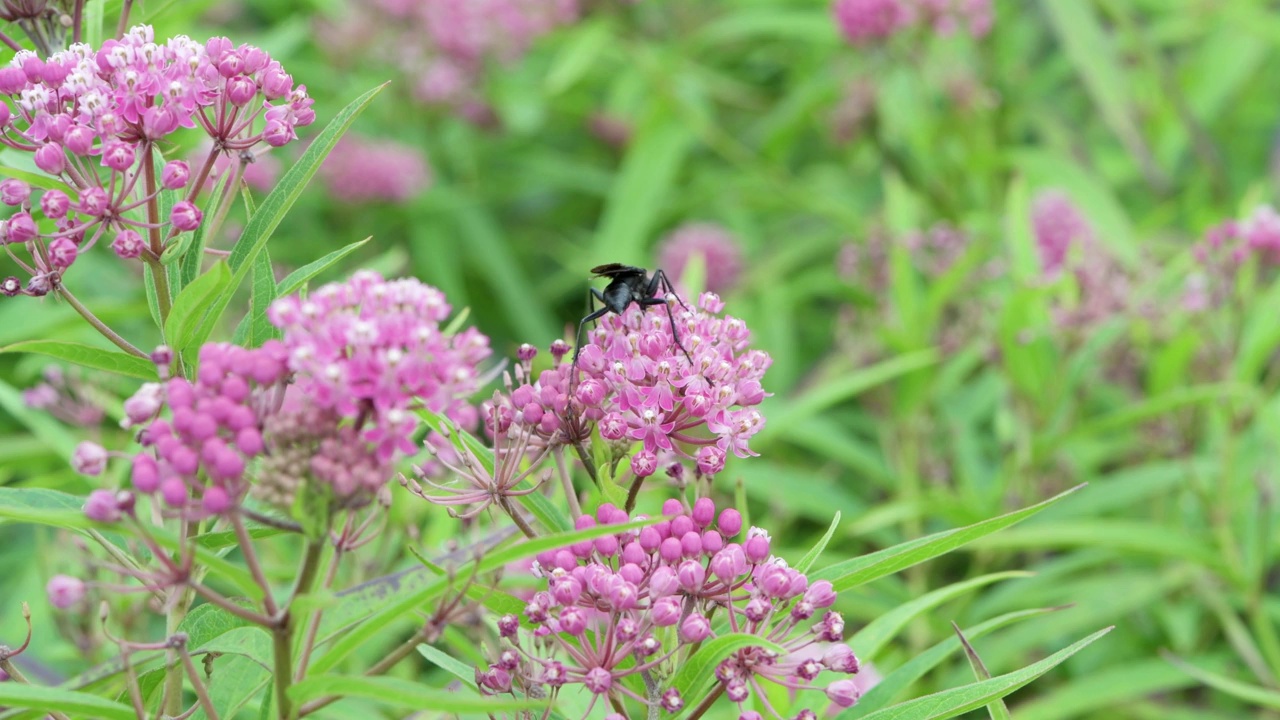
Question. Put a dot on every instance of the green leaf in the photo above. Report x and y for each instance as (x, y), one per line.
(273, 209)
(191, 308)
(112, 361)
(811, 557)
(697, 670)
(639, 195)
(1094, 56)
(957, 701)
(455, 667)
(859, 571)
(577, 56)
(784, 416)
(153, 298)
(264, 293)
(50, 699)
(893, 684)
(296, 279)
(1127, 538)
(868, 641)
(396, 692)
(1253, 694)
(43, 507)
(997, 709)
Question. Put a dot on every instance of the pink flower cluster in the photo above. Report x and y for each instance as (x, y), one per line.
(444, 45)
(609, 604)
(361, 171)
(1058, 226)
(718, 249)
(196, 459)
(371, 350)
(92, 118)
(639, 386)
(1225, 248)
(864, 22)
(1102, 284)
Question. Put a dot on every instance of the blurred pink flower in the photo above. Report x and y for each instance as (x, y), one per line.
(360, 170)
(721, 255)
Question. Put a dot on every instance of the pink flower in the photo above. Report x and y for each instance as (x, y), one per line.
(360, 170)
(65, 591)
(371, 348)
(1058, 226)
(89, 458)
(865, 21)
(618, 608)
(637, 381)
(721, 256)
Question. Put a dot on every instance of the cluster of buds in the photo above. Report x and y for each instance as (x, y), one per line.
(92, 119)
(1069, 246)
(444, 46)
(864, 22)
(629, 604)
(1226, 247)
(640, 385)
(196, 458)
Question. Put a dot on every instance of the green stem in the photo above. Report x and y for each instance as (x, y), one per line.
(282, 634)
(97, 324)
(173, 621)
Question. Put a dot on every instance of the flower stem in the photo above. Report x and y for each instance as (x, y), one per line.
(575, 510)
(707, 702)
(282, 634)
(633, 493)
(519, 520)
(98, 325)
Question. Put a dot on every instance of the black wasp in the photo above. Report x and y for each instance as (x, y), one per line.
(628, 284)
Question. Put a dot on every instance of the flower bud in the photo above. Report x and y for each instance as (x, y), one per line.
(663, 582)
(671, 701)
(710, 460)
(241, 90)
(65, 591)
(695, 628)
(175, 175)
(22, 228)
(55, 204)
(79, 140)
(691, 575)
(573, 621)
(50, 159)
(840, 658)
(186, 216)
(216, 500)
(174, 491)
(598, 680)
(62, 253)
(756, 548)
(728, 564)
(94, 202)
(118, 157)
(145, 475)
(704, 511)
(821, 594)
(89, 458)
(14, 192)
(277, 134)
(843, 693)
(508, 625)
(101, 506)
(691, 543)
(671, 550)
(666, 611)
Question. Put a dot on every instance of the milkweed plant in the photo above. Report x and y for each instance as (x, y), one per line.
(251, 546)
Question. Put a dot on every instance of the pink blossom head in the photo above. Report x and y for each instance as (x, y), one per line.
(716, 248)
(373, 348)
(866, 21)
(65, 591)
(360, 170)
(1057, 225)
